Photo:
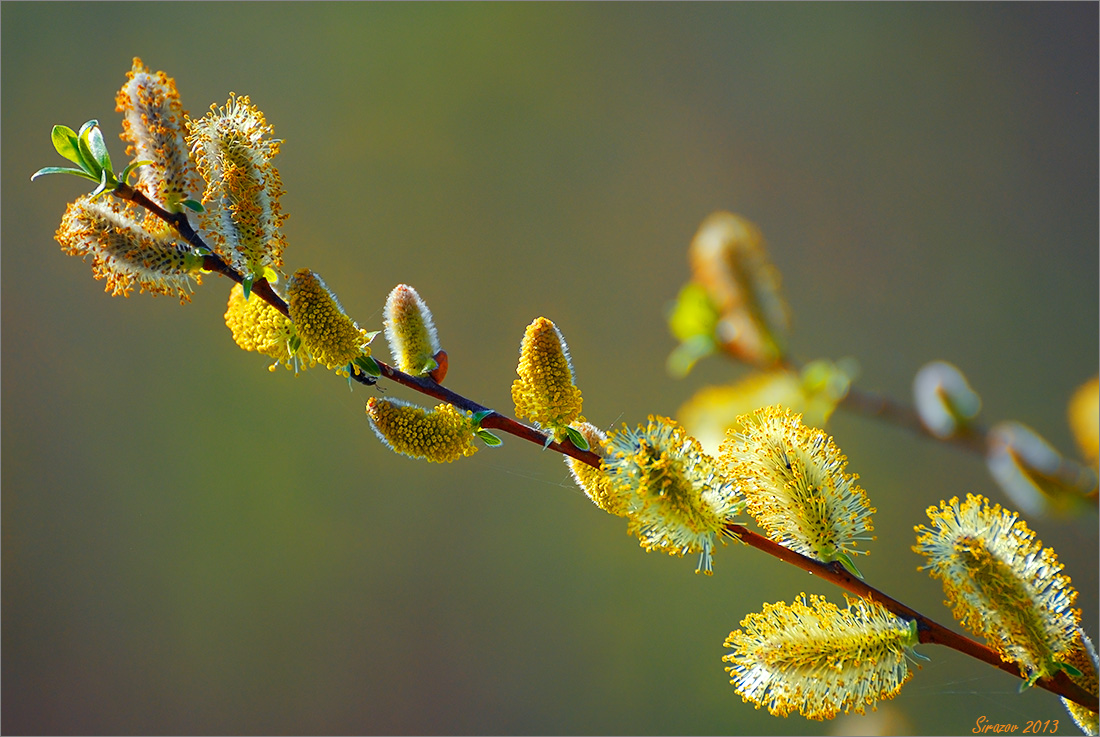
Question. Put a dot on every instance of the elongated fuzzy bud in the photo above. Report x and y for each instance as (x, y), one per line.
(1001, 582)
(819, 660)
(544, 391)
(593, 481)
(943, 398)
(729, 259)
(676, 499)
(257, 326)
(1032, 473)
(330, 336)
(124, 253)
(410, 331)
(793, 479)
(242, 220)
(440, 435)
(154, 124)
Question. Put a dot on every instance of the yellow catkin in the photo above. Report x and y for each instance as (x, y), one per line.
(676, 499)
(242, 217)
(1084, 420)
(1001, 582)
(259, 327)
(440, 435)
(816, 659)
(544, 392)
(154, 126)
(594, 481)
(1083, 657)
(330, 336)
(794, 481)
(124, 253)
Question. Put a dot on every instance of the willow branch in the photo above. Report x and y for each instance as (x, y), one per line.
(929, 631)
(866, 403)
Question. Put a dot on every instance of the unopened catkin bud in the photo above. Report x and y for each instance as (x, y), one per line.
(728, 257)
(410, 332)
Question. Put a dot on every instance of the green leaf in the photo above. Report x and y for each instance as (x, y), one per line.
(193, 205)
(489, 438)
(369, 365)
(576, 438)
(62, 170)
(102, 184)
(430, 365)
(549, 439)
(846, 561)
(294, 344)
(99, 148)
(371, 334)
(481, 415)
(64, 142)
(130, 169)
(246, 285)
(88, 161)
(1069, 669)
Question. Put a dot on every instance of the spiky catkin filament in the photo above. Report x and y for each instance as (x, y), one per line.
(440, 435)
(154, 126)
(676, 499)
(593, 481)
(330, 336)
(257, 326)
(124, 253)
(729, 259)
(817, 659)
(544, 391)
(1001, 582)
(794, 481)
(242, 218)
(410, 331)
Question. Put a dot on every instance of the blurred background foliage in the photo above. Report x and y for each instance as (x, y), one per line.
(194, 545)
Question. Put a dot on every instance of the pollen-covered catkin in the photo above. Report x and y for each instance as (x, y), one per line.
(124, 253)
(794, 481)
(330, 336)
(439, 435)
(1001, 582)
(154, 126)
(544, 392)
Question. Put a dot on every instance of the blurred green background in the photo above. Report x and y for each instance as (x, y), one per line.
(194, 545)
